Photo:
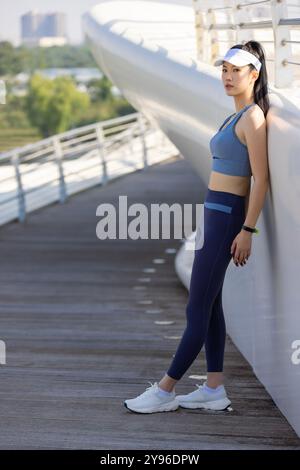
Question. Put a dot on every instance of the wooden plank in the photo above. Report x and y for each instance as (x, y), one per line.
(79, 342)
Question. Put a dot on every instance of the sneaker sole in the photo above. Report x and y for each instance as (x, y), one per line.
(211, 405)
(172, 406)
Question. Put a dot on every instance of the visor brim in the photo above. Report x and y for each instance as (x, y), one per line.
(218, 62)
(238, 63)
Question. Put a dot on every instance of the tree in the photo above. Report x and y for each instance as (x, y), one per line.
(53, 106)
(100, 89)
(10, 61)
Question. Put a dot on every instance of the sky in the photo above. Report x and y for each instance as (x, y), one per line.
(11, 11)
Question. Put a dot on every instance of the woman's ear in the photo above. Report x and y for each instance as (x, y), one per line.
(255, 74)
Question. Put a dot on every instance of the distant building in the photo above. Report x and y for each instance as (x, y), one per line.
(43, 29)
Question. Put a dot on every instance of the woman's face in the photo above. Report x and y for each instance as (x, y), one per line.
(240, 78)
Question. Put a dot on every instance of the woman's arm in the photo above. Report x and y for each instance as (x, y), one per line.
(256, 201)
(256, 138)
(247, 200)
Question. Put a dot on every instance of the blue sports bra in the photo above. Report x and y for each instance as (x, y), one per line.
(230, 155)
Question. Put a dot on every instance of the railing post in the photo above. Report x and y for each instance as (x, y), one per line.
(283, 75)
(206, 44)
(211, 46)
(131, 140)
(144, 146)
(21, 195)
(237, 16)
(59, 159)
(199, 29)
(214, 47)
(100, 139)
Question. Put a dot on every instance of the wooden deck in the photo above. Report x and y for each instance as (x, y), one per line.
(80, 340)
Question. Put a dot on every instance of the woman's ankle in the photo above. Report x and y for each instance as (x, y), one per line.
(167, 384)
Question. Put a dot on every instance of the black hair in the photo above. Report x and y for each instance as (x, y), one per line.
(260, 88)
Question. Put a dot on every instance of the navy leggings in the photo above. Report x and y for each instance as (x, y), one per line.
(224, 215)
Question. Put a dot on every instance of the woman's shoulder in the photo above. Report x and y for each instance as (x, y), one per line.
(255, 112)
(254, 115)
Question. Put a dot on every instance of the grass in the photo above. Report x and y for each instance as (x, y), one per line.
(11, 138)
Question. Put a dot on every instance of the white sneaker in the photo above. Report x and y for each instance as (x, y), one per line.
(200, 398)
(151, 401)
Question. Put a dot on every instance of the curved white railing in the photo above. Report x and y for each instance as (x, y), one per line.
(52, 169)
(219, 26)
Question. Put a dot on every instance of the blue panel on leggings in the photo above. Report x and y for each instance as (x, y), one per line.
(218, 207)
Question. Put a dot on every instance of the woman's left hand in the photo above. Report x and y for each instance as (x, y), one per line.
(241, 247)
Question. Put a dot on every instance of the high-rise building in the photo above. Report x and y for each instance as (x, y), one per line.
(43, 29)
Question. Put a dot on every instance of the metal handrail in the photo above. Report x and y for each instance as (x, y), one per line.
(208, 42)
(60, 165)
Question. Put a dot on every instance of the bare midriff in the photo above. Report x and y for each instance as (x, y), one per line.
(232, 184)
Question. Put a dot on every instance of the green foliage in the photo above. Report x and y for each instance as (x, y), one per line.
(11, 59)
(17, 137)
(53, 106)
(100, 89)
(23, 59)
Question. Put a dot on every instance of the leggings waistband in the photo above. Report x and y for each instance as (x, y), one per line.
(225, 202)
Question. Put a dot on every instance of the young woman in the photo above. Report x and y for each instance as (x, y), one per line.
(239, 150)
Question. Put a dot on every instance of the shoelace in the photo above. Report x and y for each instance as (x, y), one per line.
(148, 389)
(151, 386)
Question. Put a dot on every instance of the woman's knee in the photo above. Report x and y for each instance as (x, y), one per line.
(197, 317)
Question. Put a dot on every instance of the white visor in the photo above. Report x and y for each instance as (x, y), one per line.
(239, 57)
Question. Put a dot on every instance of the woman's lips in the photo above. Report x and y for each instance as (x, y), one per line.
(228, 86)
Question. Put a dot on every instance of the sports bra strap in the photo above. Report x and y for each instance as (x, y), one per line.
(236, 114)
(226, 120)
